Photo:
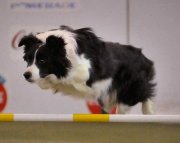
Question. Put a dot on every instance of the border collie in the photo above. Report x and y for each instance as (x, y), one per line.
(78, 63)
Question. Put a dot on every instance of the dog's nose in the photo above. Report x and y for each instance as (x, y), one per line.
(27, 75)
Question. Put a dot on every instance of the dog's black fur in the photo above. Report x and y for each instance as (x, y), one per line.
(131, 71)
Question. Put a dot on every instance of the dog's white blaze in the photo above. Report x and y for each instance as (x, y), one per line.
(33, 69)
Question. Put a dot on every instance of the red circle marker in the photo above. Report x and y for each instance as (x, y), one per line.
(94, 108)
(3, 98)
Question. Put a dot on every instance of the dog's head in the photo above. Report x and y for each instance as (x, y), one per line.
(60, 56)
(49, 53)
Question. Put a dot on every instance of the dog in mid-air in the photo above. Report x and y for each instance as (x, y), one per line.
(76, 62)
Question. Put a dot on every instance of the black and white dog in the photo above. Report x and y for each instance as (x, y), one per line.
(78, 63)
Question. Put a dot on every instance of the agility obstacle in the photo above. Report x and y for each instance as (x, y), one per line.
(90, 118)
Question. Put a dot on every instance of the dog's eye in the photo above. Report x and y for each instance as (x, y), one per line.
(41, 62)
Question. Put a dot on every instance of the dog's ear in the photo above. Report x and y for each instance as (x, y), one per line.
(28, 41)
(55, 42)
(65, 27)
(56, 45)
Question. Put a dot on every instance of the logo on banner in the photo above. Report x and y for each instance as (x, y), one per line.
(3, 94)
(48, 5)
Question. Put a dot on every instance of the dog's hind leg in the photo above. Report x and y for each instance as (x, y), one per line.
(147, 107)
(122, 108)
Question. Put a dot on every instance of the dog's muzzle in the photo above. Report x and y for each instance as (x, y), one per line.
(28, 76)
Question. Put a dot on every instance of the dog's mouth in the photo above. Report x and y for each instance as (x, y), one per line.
(30, 80)
(44, 75)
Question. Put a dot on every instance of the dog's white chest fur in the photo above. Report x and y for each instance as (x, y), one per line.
(76, 88)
